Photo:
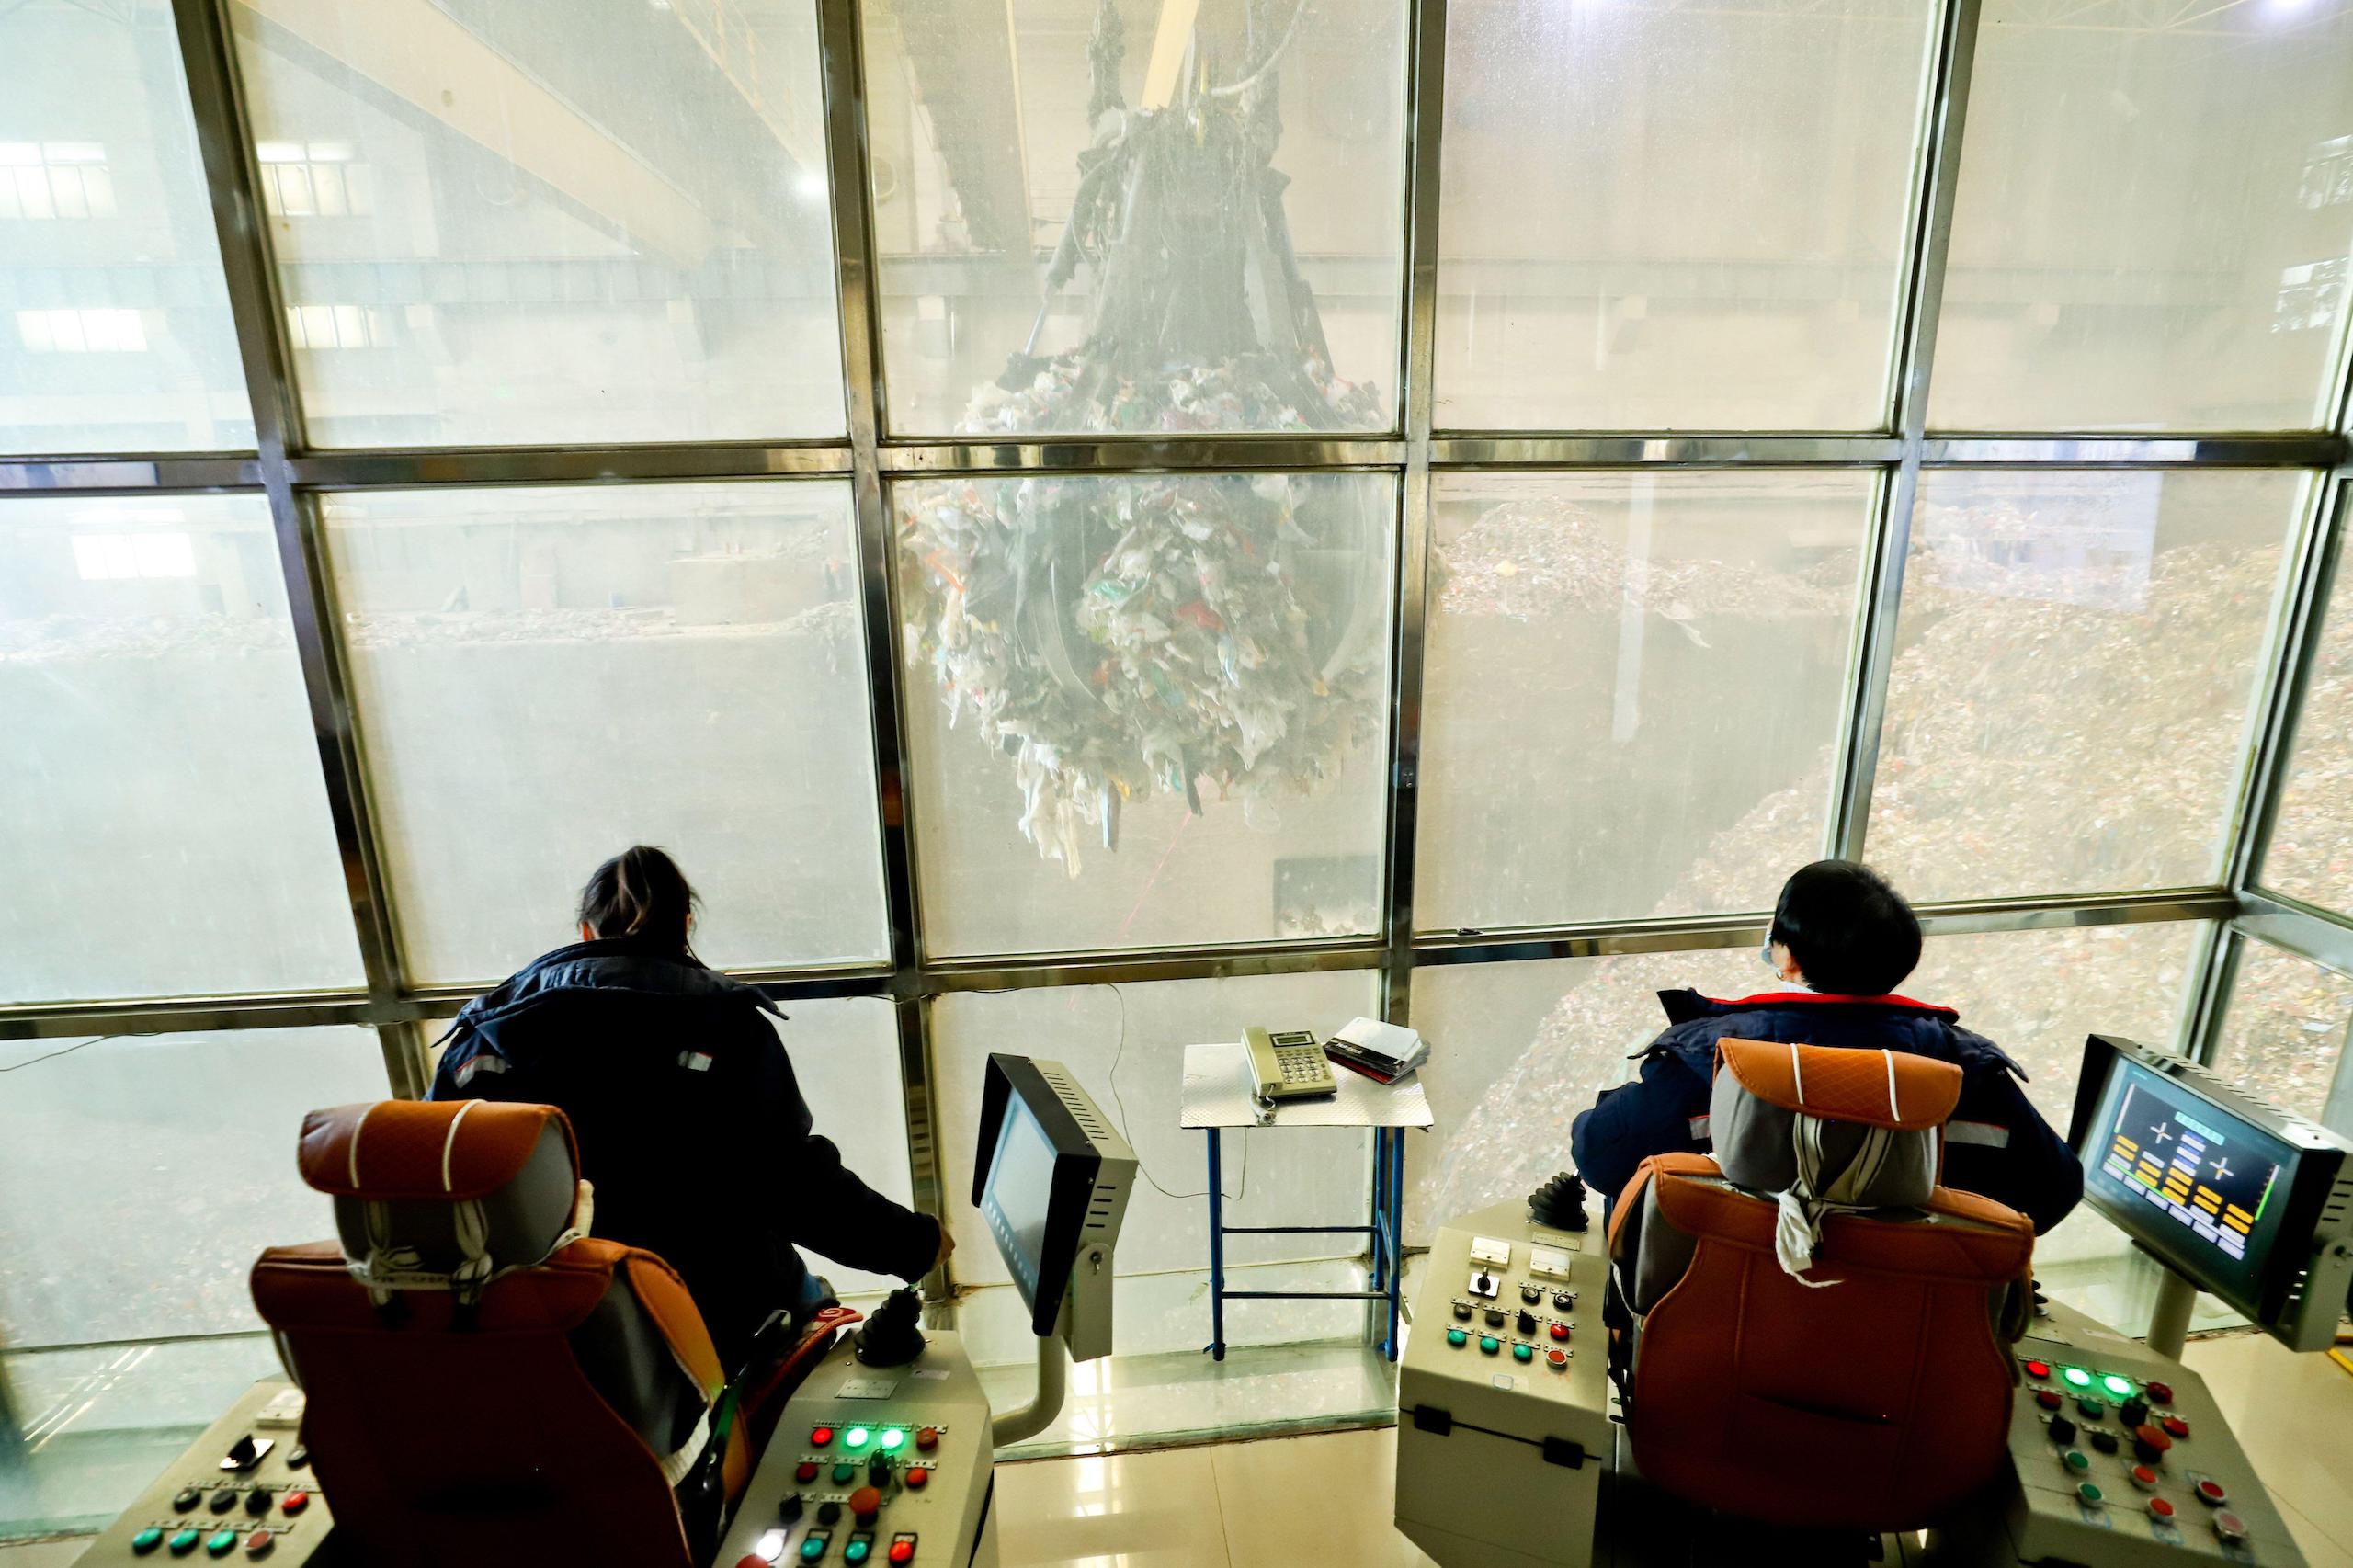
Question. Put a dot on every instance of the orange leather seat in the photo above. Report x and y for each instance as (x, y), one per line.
(486, 1383)
(1820, 1330)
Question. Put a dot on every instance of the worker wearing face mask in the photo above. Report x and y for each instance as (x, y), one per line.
(1842, 940)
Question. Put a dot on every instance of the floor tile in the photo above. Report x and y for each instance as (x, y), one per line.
(1156, 1510)
(1326, 1499)
(2293, 1414)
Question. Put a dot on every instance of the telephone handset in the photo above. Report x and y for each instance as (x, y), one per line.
(1288, 1064)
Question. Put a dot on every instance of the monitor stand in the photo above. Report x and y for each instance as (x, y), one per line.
(2169, 1318)
(1053, 1379)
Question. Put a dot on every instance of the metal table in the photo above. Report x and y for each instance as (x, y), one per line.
(1217, 1097)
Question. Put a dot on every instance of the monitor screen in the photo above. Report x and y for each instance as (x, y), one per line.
(2206, 1189)
(1020, 1189)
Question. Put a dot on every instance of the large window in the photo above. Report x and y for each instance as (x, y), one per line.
(550, 675)
(2071, 692)
(2283, 1036)
(493, 229)
(1644, 620)
(114, 321)
(2154, 225)
(161, 811)
(1667, 218)
(2311, 851)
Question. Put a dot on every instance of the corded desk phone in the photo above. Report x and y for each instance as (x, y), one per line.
(1288, 1064)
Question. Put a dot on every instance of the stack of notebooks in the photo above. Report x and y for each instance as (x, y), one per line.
(1382, 1053)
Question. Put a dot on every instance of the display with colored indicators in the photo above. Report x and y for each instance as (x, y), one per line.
(2215, 1185)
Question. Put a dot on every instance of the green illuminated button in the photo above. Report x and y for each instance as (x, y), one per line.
(1523, 1352)
(147, 1541)
(891, 1439)
(2088, 1495)
(2078, 1461)
(1491, 1345)
(844, 1474)
(2078, 1376)
(222, 1543)
(859, 1549)
(1457, 1338)
(813, 1547)
(2120, 1387)
(857, 1437)
(183, 1543)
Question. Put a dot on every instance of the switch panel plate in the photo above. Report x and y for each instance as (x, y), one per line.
(274, 1403)
(1486, 1249)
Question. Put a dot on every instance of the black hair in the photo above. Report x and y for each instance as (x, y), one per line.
(639, 892)
(1850, 932)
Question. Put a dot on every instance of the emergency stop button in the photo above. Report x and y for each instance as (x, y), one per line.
(2212, 1493)
(865, 1504)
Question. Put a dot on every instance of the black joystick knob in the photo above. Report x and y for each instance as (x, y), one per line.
(1527, 1324)
(242, 1453)
(1559, 1203)
(893, 1335)
(1484, 1284)
(790, 1509)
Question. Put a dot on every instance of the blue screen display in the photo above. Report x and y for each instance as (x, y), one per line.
(1020, 1188)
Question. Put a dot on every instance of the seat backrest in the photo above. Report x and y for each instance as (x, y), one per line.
(1821, 1331)
(487, 1384)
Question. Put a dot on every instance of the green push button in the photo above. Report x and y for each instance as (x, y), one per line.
(894, 1438)
(856, 1436)
(2089, 1495)
(1457, 1338)
(844, 1474)
(147, 1541)
(2076, 1460)
(1490, 1345)
(185, 1542)
(814, 1547)
(2120, 1387)
(859, 1549)
(222, 1543)
(2078, 1376)
(1523, 1352)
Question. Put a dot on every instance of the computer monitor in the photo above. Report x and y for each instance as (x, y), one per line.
(2247, 1201)
(1050, 1178)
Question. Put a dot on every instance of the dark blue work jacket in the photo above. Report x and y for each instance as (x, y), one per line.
(1996, 1145)
(691, 1126)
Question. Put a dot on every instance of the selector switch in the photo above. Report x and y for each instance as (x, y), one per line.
(879, 1473)
(1527, 1324)
(1563, 1300)
(1484, 1284)
(1462, 1311)
(1530, 1294)
(790, 1509)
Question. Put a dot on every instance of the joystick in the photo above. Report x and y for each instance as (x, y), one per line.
(1559, 1203)
(893, 1335)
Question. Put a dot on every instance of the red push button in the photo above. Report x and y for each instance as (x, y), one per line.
(917, 1478)
(866, 1502)
(2160, 1509)
(805, 1471)
(752, 1560)
(1557, 1359)
(1560, 1331)
(819, 1436)
(294, 1502)
(2048, 1398)
(258, 1543)
(2144, 1478)
(927, 1439)
(2161, 1393)
(2038, 1368)
(2212, 1493)
(902, 1550)
(2229, 1526)
(2176, 1428)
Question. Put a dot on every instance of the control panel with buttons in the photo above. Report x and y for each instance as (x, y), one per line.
(1503, 1395)
(2122, 1461)
(242, 1493)
(873, 1465)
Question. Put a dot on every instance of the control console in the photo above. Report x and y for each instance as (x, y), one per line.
(2123, 1459)
(242, 1492)
(874, 1466)
(1503, 1395)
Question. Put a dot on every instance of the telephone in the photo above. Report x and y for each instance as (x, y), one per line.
(1288, 1064)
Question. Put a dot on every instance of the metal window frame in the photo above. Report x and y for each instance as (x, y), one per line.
(287, 472)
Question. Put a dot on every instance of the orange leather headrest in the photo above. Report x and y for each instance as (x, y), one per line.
(450, 1149)
(1877, 1089)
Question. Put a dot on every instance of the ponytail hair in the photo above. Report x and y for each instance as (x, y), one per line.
(639, 892)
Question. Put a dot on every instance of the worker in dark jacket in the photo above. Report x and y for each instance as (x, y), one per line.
(1848, 939)
(692, 1130)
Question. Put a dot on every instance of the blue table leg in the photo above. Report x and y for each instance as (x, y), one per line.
(1380, 1206)
(1217, 1246)
(1394, 1235)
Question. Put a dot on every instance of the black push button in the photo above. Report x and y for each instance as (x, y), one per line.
(1494, 1318)
(2105, 1442)
(188, 1498)
(2134, 1412)
(257, 1500)
(1530, 1294)
(1462, 1311)
(828, 1513)
(2063, 1431)
(223, 1500)
(297, 1457)
(790, 1509)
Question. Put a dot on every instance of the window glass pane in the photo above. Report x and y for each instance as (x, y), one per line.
(1125, 1045)
(1205, 237)
(494, 227)
(2283, 1036)
(162, 813)
(1147, 712)
(545, 676)
(97, 1246)
(2077, 655)
(2153, 221)
(1659, 218)
(846, 1054)
(2310, 853)
(114, 321)
(1638, 619)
